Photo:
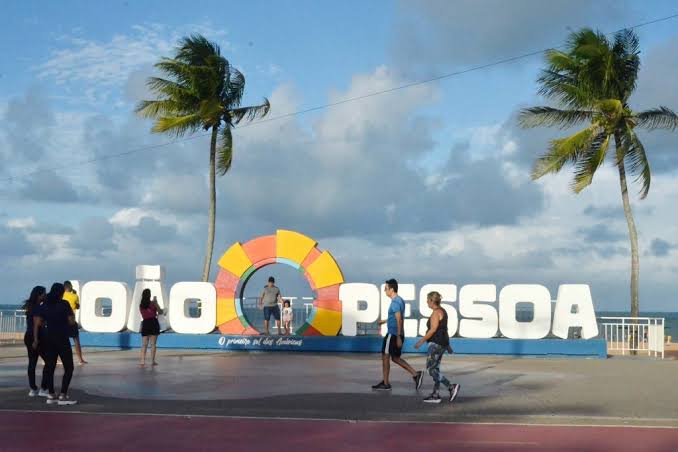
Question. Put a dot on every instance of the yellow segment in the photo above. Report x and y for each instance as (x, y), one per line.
(327, 322)
(235, 260)
(225, 310)
(324, 271)
(293, 246)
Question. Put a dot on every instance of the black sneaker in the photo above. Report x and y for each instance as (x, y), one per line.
(454, 390)
(418, 380)
(381, 387)
(433, 398)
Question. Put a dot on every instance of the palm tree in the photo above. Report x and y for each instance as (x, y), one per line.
(592, 80)
(201, 91)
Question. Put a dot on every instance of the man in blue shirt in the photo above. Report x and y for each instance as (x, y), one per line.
(393, 341)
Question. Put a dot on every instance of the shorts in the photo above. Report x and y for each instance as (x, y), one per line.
(390, 345)
(271, 310)
(74, 331)
(150, 327)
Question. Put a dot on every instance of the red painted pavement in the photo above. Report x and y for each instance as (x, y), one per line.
(89, 432)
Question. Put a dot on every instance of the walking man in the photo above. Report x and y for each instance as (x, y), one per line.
(73, 301)
(269, 302)
(393, 341)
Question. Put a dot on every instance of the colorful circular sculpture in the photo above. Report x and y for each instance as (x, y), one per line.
(240, 262)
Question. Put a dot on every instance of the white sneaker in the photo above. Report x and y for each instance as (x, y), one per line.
(64, 400)
(43, 393)
(32, 393)
(51, 400)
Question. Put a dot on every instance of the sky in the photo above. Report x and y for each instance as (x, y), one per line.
(428, 184)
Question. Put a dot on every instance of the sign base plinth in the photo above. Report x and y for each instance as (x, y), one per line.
(592, 348)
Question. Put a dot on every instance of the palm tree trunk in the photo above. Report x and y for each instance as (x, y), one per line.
(633, 235)
(212, 207)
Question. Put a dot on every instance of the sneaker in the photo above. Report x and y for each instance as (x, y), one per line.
(51, 400)
(43, 393)
(64, 400)
(32, 393)
(381, 387)
(433, 398)
(454, 390)
(418, 380)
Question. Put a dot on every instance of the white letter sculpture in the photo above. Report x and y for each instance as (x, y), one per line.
(578, 295)
(96, 290)
(203, 291)
(350, 295)
(539, 297)
(148, 277)
(481, 320)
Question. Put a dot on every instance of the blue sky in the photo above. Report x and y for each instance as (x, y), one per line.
(428, 184)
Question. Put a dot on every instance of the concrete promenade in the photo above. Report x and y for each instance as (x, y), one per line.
(266, 387)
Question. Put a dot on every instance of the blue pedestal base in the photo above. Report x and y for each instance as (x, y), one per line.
(592, 348)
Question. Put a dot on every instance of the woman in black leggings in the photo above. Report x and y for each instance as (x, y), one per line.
(31, 306)
(438, 340)
(55, 317)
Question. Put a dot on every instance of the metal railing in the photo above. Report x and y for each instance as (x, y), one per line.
(12, 326)
(634, 334)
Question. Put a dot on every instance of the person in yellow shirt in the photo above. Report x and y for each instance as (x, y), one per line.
(72, 299)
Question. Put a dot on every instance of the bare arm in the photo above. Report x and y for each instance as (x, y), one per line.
(157, 306)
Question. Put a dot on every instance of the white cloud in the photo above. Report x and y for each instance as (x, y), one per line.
(21, 223)
(108, 63)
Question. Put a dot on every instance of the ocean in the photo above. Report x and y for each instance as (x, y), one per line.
(670, 318)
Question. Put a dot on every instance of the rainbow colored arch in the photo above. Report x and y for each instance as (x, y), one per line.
(240, 262)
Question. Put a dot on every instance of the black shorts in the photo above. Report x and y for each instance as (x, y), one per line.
(271, 310)
(150, 327)
(390, 345)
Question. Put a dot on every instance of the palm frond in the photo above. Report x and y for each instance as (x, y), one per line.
(156, 108)
(177, 70)
(234, 88)
(196, 49)
(657, 118)
(564, 150)
(639, 165)
(590, 161)
(169, 88)
(550, 117)
(224, 151)
(177, 125)
(564, 87)
(626, 51)
(250, 113)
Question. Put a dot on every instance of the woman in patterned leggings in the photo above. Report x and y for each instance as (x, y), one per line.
(438, 342)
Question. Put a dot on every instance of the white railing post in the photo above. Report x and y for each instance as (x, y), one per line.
(638, 334)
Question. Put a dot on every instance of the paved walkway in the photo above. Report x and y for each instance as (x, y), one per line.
(87, 432)
(239, 395)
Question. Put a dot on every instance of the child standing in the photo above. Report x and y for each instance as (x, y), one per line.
(287, 315)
